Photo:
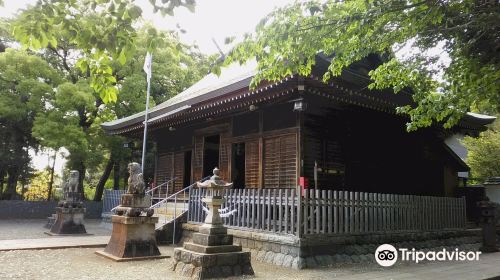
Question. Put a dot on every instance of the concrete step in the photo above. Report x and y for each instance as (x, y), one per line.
(163, 211)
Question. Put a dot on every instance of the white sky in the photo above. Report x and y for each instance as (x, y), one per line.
(216, 19)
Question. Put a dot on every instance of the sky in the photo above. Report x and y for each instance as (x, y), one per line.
(215, 19)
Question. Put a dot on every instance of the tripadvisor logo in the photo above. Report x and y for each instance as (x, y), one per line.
(387, 255)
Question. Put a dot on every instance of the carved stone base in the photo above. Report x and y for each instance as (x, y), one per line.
(205, 266)
(211, 255)
(132, 205)
(132, 238)
(69, 221)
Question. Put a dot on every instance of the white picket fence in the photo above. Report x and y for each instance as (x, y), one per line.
(332, 212)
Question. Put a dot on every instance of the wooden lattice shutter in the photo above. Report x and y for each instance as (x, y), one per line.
(280, 161)
(198, 158)
(165, 168)
(178, 170)
(252, 159)
(225, 156)
(288, 161)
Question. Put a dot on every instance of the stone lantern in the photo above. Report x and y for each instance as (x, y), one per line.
(488, 223)
(211, 254)
(215, 187)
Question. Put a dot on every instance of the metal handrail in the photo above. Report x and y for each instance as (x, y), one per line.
(161, 185)
(175, 194)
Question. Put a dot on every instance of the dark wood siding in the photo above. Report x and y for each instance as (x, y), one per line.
(198, 158)
(252, 161)
(165, 168)
(225, 156)
(280, 161)
(178, 171)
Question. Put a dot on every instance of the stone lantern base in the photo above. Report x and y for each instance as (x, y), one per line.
(69, 221)
(211, 255)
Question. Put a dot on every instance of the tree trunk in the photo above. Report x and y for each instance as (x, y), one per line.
(99, 189)
(2, 180)
(12, 183)
(52, 176)
(81, 169)
(125, 180)
(116, 176)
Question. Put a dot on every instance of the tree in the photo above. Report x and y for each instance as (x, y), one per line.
(26, 82)
(38, 188)
(77, 110)
(288, 40)
(484, 153)
(104, 38)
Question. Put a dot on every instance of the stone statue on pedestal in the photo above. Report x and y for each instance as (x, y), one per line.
(134, 202)
(133, 236)
(70, 210)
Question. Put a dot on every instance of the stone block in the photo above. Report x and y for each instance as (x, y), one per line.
(278, 259)
(244, 258)
(187, 270)
(311, 262)
(226, 271)
(179, 267)
(356, 258)
(260, 256)
(212, 240)
(276, 248)
(247, 269)
(299, 263)
(251, 243)
(212, 230)
(197, 273)
(177, 254)
(185, 256)
(287, 261)
(227, 259)
(237, 270)
(269, 257)
(211, 249)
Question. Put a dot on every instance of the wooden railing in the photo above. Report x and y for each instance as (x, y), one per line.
(332, 212)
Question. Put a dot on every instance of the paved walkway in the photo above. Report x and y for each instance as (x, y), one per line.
(88, 241)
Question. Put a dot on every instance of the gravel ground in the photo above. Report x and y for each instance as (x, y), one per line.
(84, 264)
(24, 229)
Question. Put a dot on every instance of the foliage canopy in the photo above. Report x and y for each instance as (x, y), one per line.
(103, 31)
(288, 40)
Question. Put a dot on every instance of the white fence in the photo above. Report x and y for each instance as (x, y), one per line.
(333, 212)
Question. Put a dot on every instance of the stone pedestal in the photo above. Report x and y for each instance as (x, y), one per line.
(132, 238)
(211, 255)
(69, 221)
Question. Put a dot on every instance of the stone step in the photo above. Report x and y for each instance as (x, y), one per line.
(212, 249)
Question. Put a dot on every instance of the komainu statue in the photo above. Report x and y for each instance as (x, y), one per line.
(135, 181)
(71, 194)
(70, 210)
(135, 201)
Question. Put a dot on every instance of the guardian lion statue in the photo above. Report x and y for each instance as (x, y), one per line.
(135, 180)
(71, 195)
